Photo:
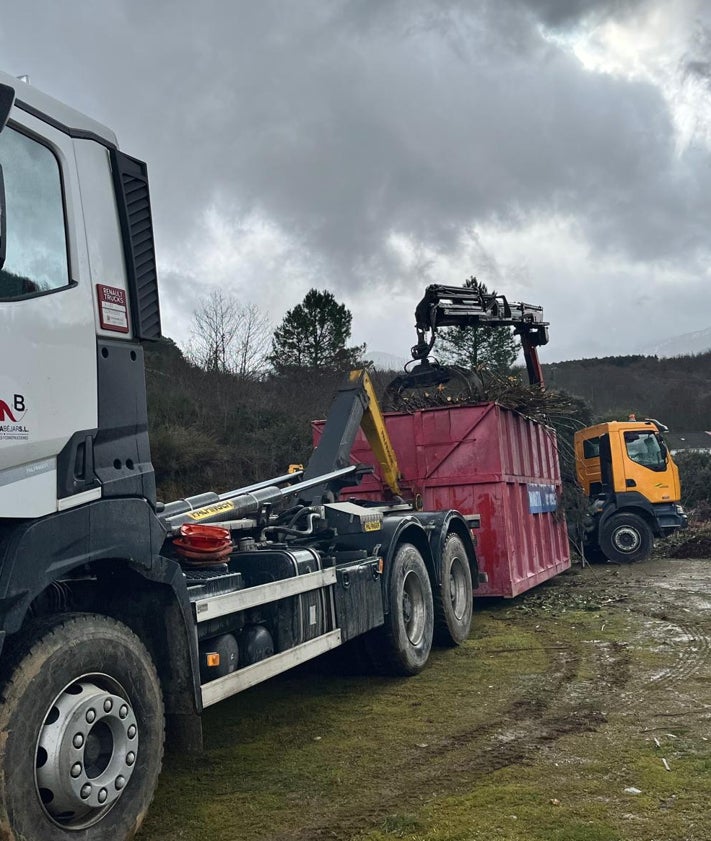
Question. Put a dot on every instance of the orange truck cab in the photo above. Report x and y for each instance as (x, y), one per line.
(627, 472)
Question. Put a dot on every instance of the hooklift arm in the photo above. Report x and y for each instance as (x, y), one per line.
(458, 306)
(355, 405)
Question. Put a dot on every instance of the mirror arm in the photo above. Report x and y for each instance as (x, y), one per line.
(7, 98)
(3, 237)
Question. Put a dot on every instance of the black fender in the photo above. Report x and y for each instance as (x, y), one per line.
(121, 539)
(634, 503)
(439, 525)
(398, 529)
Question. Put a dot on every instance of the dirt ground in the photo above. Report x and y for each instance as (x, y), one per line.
(580, 711)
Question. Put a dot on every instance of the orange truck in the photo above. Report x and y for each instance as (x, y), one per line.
(627, 472)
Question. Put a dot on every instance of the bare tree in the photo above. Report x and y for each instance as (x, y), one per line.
(252, 342)
(229, 336)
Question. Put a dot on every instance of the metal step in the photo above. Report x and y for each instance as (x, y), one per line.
(228, 685)
(221, 605)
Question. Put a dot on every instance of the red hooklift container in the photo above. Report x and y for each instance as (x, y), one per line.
(484, 460)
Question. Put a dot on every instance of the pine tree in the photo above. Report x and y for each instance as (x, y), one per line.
(493, 348)
(314, 334)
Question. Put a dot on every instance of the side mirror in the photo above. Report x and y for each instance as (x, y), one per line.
(7, 98)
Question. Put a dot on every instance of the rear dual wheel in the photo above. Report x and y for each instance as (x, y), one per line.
(402, 645)
(82, 723)
(454, 598)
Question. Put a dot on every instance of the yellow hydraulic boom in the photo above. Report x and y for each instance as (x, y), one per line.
(355, 406)
(373, 425)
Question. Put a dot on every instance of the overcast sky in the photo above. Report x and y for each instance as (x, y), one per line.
(559, 150)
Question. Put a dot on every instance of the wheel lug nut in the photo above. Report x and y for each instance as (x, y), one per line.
(85, 791)
(131, 732)
(108, 703)
(76, 770)
(123, 712)
(78, 740)
(90, 716)
(130, 758)
(103, 794)
(120, 782)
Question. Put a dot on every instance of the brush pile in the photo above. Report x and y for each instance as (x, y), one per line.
(480, 386)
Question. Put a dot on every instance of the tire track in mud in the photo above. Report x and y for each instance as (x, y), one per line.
(450, 765)
(558, 703)
(661, 599)
(684, 640)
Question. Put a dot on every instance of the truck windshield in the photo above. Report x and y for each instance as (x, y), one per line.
(644, 448)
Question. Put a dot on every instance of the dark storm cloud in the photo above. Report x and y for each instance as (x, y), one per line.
(563, 13)
(346, 122)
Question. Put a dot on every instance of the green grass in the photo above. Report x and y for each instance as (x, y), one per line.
(530, 730)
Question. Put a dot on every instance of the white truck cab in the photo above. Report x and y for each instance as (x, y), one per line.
(64, 281)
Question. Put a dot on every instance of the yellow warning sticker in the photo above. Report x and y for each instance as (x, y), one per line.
(211, 510)
(374, 526)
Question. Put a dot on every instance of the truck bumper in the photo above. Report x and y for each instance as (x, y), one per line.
(670, 518)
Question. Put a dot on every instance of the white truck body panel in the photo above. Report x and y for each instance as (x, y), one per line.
(48, 384)
(101, 224)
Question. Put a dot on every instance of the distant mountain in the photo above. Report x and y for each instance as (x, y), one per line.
(683, 345)
(385, 361)
(675, 389)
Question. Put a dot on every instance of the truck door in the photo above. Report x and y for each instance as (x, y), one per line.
(646, 467)
(47, 341)
(587, 458)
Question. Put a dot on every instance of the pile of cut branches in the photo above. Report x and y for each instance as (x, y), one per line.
(484, 386)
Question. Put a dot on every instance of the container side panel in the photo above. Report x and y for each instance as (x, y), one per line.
(481, 460)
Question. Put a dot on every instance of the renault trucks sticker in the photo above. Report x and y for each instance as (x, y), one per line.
(12, 411)
(113, 311)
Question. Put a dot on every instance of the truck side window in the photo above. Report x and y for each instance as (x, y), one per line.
(591, 448)
(36, 258)
(643, 448)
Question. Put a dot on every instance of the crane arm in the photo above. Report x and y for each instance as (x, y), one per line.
(460, 306)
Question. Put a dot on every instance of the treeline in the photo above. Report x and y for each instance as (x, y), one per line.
(676, 391)
(215, 430)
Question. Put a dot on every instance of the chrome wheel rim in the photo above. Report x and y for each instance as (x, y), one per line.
(413, 608)
(86, 751)
(627, 539)
(458, 588)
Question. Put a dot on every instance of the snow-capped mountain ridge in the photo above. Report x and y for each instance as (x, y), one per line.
(682, 345)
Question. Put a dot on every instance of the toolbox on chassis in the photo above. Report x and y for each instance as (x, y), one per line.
(118, 614)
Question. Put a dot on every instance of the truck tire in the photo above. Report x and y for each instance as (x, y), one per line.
(625, 538)
(402, 645)
(454, 600)
(82, 726)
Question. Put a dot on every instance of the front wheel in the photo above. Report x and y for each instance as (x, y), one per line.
(82, 723)
(625, 538)
(454, 599)
(402, 646)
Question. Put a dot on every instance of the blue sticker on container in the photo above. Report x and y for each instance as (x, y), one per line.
(541, 498)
